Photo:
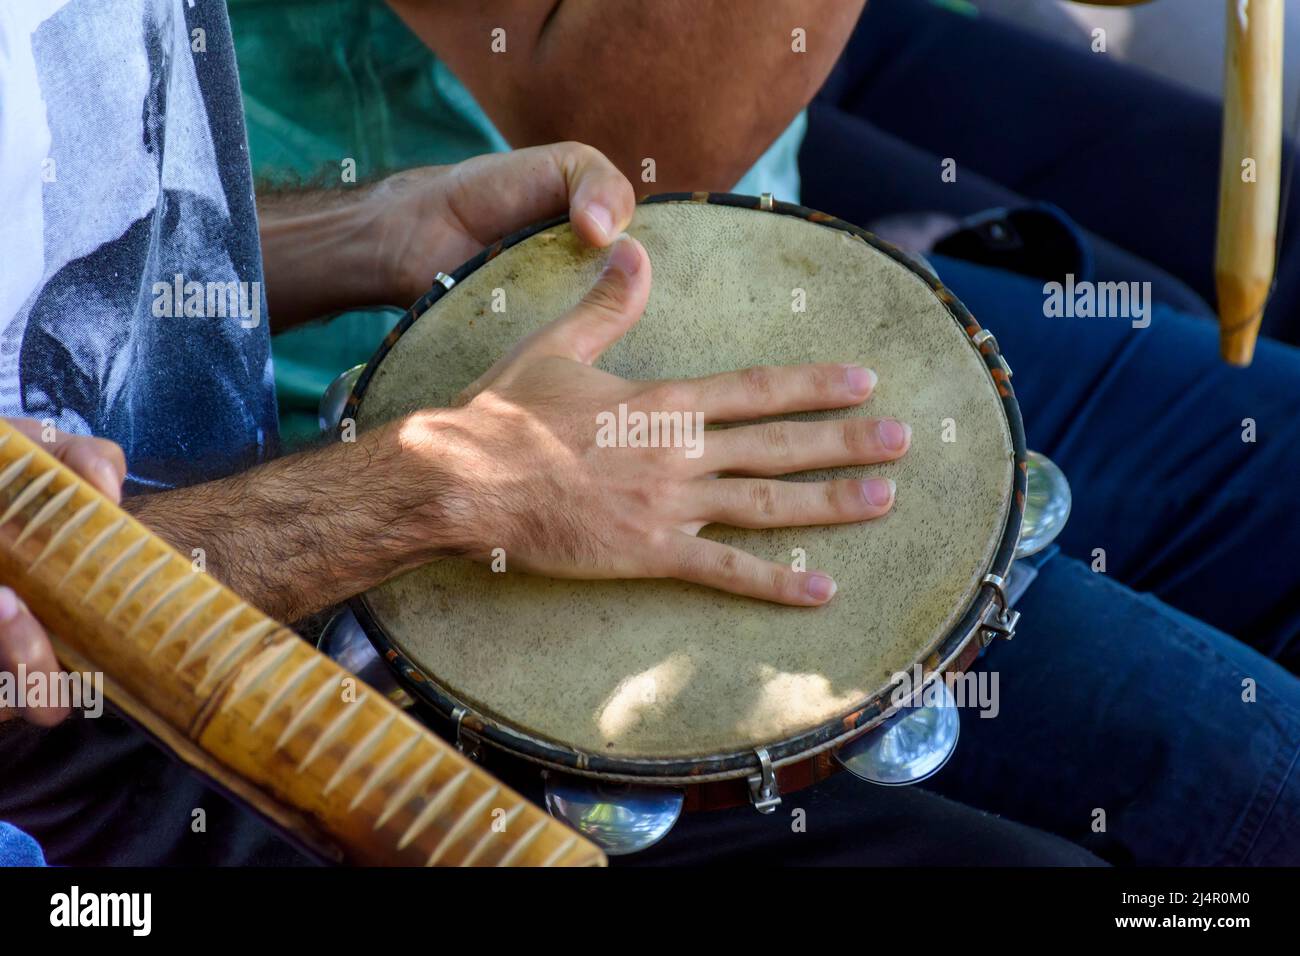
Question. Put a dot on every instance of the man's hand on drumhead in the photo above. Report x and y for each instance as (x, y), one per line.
(437, 217)
(22, 639)
(534, 475)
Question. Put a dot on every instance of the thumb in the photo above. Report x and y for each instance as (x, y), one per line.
(23, 642)
(611, 307)
(606, 312)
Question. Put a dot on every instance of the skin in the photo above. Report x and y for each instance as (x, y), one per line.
(326, 251)
(514, 463)
(709, 85)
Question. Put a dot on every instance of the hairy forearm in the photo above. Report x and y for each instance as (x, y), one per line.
(304, 532)
(320, 251)
(701, 88)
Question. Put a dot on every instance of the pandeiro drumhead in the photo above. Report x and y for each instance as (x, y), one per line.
(668, 679)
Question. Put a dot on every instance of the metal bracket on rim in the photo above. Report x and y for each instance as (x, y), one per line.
(984, 335)
(999, 619)
(444, 280)
(762, 785)
(765, 202)
(467, 742)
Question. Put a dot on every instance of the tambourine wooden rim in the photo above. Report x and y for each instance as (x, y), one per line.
(426, 688)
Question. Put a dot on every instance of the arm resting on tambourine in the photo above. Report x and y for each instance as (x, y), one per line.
(306, 531)
(241, 697)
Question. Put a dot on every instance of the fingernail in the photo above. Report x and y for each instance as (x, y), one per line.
(110, 483)
(9, 605)
(819, 586)
(878, 491)
(861, 380)
(602, 217)
(893, 435)
(624, 257)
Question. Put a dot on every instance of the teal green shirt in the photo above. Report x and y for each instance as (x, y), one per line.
(326, 81)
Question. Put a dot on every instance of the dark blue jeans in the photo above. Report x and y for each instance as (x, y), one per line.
(1113, 701)
(1130, 691)
(1133, 159)
(1150, 427)
(1123, 692)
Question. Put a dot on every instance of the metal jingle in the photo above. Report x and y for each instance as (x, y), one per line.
(1047, 505)
(619, 818)
(909, 747)
(335, 397)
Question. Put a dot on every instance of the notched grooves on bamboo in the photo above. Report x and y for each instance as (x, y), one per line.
(314, 703)
(407, 790)
(178, 626)
(490, 836)
(287, 688)
(523, 843)
(561, 852)
(65, 531)
(13, 471)
(262, 666)
(381, 773)
(99, 540)
(463, 822)
(358, 754)
(197, 646)
(159, 602)
(221, 664)
(107, 572)
(27, 495)
(47, 511)
(432, 807)
(141, 579)
(331, 732)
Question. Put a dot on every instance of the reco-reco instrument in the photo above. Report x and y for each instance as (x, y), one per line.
(245, 700)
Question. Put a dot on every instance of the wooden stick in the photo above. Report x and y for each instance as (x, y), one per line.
(1250, 173)
(244, 700)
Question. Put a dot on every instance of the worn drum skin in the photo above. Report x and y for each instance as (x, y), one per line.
(665, 681)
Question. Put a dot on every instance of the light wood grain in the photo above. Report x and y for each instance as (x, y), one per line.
(1248, 211)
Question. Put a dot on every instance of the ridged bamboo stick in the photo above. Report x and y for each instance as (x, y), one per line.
(243, 699)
